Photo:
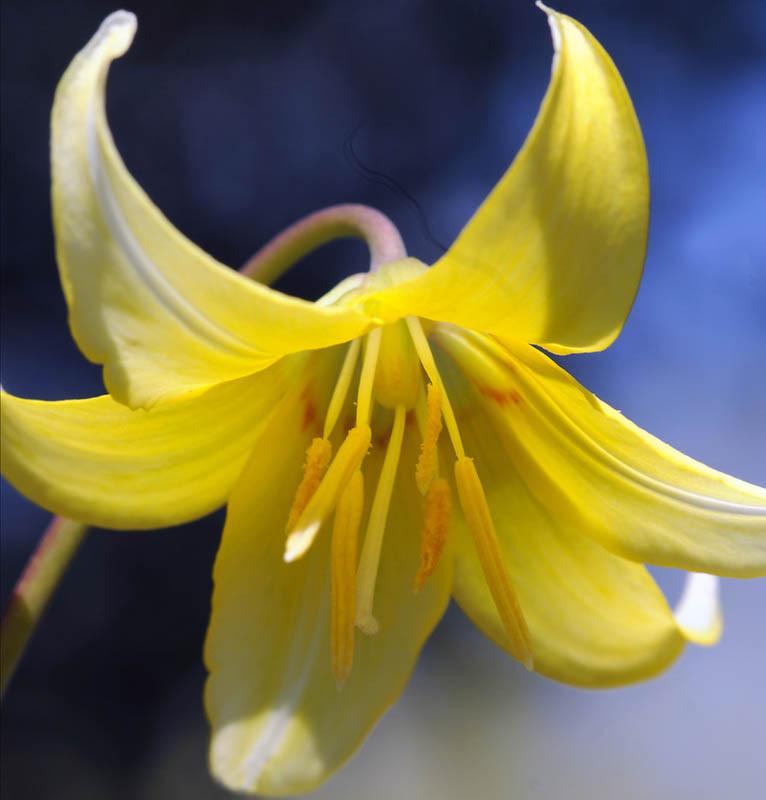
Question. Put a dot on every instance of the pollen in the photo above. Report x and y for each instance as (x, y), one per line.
(476, 511)
(435, 528)
(428, 461)
(325, 497)
(317, 460)
(348, 517)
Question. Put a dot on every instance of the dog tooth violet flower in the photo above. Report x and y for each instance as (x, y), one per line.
(398, 442)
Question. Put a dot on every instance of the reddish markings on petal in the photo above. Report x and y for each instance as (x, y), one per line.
(502, 398)
(310, 416)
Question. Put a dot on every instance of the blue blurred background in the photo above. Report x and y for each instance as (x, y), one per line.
(235, 118)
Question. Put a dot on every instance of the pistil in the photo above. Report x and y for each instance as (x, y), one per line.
(376, 525)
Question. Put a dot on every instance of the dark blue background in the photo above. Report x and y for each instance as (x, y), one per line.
(234, 117)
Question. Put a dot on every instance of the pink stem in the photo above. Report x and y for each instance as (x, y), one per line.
(335, 222)
(34, 590)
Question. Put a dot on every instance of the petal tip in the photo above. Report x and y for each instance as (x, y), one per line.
(698, 613)
(117, 31)
(553, 23)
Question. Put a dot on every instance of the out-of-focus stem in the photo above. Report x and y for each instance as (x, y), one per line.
(33, 591)
(335, 222)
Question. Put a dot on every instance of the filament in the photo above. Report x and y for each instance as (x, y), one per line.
(373, 540)
(341, 387)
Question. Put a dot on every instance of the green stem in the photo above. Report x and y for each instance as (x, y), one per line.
(33, 591)
(48, 563)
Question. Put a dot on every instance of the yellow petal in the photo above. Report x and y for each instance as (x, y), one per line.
(645, 500)
(698, 613)
(280, 723)
(159, 313)
(99, 462)
(554, 254)
(595, 619)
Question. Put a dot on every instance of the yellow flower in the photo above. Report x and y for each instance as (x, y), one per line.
(398, 442)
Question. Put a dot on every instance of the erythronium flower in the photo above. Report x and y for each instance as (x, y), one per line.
(352, 516)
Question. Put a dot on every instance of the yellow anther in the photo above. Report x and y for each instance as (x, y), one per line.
(323, 500)
(476, 511)
(435, 529)
(428, 461)
(317, 458)
(376, 525)
(345, 534)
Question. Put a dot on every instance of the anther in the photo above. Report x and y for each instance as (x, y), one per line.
(323, 500)
(428, 461)
(476, 511)
(435, 528)
(317, 458)
(345, 534)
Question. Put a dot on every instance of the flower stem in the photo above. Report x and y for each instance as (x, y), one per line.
(59, 543)
(335, 222)
(34, 589)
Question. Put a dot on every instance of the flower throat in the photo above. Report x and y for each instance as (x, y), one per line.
(396, 360)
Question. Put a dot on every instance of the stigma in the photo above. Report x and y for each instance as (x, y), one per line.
(393, 368)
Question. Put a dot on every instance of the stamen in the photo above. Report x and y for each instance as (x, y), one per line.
(322, 502)
(373, 540)
(429, 365)
(367, 377)
(341, 387)
(348, 517)
(317, 458)
(474, 504)
(426, 468)
(435, 528)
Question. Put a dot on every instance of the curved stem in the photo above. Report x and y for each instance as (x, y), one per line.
(335, 222)
(60, 541)
(34, 589)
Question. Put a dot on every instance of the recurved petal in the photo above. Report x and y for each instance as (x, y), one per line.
(645, 501)
(698, 613)
(280, 724)
(97, 461)
(554, 254)
(595, 619)
(161, 315)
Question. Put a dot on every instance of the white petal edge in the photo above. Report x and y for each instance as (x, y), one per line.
(698, 613)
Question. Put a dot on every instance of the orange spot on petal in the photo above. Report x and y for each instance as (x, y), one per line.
(502, 398)
(309, 415)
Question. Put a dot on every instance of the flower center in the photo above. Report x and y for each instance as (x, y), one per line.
(396, 360)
